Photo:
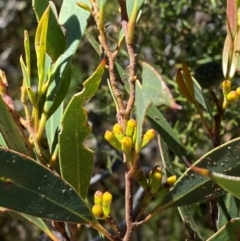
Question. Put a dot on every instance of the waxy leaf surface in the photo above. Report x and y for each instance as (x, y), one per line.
(76, 161)
(30, 188)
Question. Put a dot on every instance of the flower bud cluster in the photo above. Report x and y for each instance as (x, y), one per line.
(102, 204)
(125, 142)
(229, 95)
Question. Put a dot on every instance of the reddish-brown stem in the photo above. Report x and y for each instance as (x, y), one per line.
(129, 176)
(132, 61)
(111, 59)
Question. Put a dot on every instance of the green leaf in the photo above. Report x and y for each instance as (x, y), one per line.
(165, 130)
(133, 8)
(228, 232)
(200, 97)
(228, 208)
(74, 20)
(41, 46)
(36, 221)
(153, 90)
(93, 42)
(229, 183)
(53, 127)
(54, 32)
(2, 141)
(76, 160)
(189, 222)
(30, 188)
(10, 131)
(192, 187)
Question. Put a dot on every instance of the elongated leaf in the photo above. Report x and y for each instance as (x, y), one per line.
(232, 17)
(228, 183)
(30, 188)
(200, 97)
(228, 232)
(41, 45)
(74, 20)
(54, 33)
(153, 90)
(36, 221)
(228, 208)
(141, 107)
(165, 130)
(188, 78)
(53, 128)
(183, 87)
(76, 160)
(10, 131)
(192, 187)
(189, 222)
(229, 58)
(133, 8)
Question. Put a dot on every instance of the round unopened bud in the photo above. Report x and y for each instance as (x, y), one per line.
(112, 140)
(127, 144)
(238, 91)
(232, 96)
(98, 198)
(118, 132)
(106, 204)
(97, 211)
(131, 124)
(149, 135)
(226, 86)
(106, 197)
(155, 179)
(171, 180)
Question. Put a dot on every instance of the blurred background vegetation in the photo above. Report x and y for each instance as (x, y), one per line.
(167, 33)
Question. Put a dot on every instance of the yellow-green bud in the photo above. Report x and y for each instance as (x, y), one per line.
(226, 86)
(97, 211)
(131, 124)
(155, 179)
(171, 180)
(127, 145)
(84, 6)
(141, 179)
(106, 198)
(232, 96)
(149, 135)
(106, 203)
(112, 140)
(238, 91)
(118, 132)
(98, 198)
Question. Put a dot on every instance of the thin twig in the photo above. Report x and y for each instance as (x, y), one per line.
(111, 59)
(114, 227)
(132, 61)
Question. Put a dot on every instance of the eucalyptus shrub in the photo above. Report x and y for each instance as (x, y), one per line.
(51, 183)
